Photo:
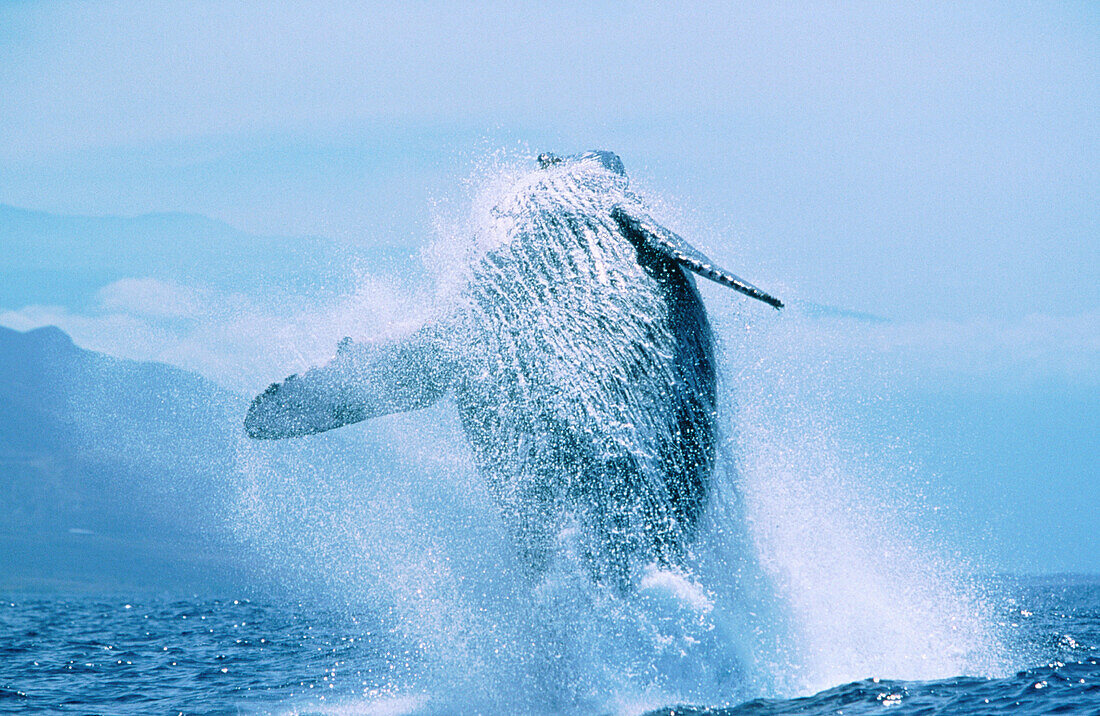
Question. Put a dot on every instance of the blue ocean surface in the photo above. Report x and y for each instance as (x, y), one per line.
(106, 655)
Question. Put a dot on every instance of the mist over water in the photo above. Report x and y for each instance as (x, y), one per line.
(814, 564)
(837, 521)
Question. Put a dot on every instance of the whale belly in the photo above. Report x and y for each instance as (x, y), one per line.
(589, 387)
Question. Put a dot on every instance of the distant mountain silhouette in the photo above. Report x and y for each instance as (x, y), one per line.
(112, 472)
(55, 259)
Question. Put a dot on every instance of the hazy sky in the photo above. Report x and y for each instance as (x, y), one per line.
(910, 160)
(935, 165)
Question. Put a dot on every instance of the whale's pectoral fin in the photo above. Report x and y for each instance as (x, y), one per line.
(362, 381)
(647, 234)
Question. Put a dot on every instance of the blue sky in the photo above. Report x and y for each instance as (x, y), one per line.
(934, 165)
(900, 158)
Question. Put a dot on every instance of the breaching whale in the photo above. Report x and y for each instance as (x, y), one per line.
(581, 362)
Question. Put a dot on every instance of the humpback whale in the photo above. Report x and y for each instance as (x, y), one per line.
(581, 362)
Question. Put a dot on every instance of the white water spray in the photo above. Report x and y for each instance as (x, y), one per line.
(810, 571)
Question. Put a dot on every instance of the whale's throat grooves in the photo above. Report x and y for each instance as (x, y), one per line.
(589, 384)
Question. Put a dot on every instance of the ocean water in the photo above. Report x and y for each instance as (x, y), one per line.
(106, 655)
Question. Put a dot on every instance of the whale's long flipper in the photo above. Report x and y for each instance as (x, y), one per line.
(361, 382)
(645, 233)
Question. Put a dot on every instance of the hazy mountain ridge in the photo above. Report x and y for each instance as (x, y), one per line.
(52, 258)
(122, 474)
(109, 469)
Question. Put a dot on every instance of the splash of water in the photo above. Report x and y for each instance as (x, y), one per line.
(809, 570)
(837, 523)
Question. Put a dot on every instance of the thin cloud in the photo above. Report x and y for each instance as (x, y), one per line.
(243, 342)
(236, 340)
(1003, 355)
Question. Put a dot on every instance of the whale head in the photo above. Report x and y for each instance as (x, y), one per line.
(600, 175)
(593, 159)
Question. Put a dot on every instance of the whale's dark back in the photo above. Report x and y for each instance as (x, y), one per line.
(588, 377)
